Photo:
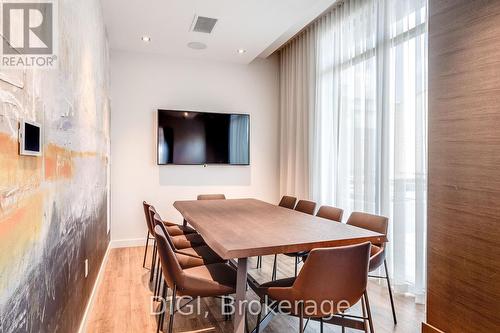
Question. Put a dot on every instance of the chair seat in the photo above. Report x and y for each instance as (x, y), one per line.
(262, 290)
(288, 282)
(208, 280)
(186, 261)
(297, 254)
(202, 252)
(177, 230)
(189, 240)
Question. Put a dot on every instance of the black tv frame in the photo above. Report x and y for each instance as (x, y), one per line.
(202, 112)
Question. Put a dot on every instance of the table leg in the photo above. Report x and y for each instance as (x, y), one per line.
(241, 287)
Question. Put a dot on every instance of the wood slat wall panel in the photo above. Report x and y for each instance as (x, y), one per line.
(464, 166)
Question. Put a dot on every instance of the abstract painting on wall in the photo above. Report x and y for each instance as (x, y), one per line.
(53, 207)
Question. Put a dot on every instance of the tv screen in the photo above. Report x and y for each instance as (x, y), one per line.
(188, 137)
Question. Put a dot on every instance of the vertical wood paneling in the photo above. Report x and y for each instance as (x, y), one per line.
(464, 166)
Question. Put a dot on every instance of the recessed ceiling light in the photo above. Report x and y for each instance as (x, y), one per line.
(197, 45)
(241, 51)
(146, 39)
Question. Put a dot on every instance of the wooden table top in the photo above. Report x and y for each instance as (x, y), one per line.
(240, 228)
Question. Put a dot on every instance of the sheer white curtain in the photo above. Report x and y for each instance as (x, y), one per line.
(368, 139)
(297, 86)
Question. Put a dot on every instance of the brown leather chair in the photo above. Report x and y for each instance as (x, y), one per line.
(201, 281)
(180, 240)
(330, 213)
(149, 235)
(202, 252)
(174, 229)
(307, 207)
(333, 277)
(187, 256)
(326, 212)
(194, 256)
(287, 202)
(211, 197)
(183, 241)
(378, 224)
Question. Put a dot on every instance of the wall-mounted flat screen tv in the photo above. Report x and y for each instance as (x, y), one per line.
(198, 138)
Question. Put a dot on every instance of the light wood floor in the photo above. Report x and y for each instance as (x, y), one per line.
(123, 302)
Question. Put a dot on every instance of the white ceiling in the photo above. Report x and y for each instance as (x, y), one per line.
(258, 26)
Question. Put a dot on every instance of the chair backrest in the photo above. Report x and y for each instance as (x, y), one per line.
(306, 206)
(152, 212)
(371, 222)
(330, 213)
(146, 207)
(211, 197)
(337, 275)
(288, 202)
(171, 268)
(157, 221)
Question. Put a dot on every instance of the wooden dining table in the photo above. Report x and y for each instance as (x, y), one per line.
(243, 228)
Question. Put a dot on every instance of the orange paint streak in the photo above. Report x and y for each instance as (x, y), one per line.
(7, 144)
(58, 162)
(9, 222)
(17, 171)
(26, 171)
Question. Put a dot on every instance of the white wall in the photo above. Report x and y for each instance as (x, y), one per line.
(142, 83)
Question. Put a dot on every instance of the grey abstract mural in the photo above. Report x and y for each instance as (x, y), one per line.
(54, 207)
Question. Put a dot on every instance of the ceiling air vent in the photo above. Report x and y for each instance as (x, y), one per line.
(204, 24)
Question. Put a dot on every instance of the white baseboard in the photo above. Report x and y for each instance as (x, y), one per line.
(128, 242)
(90, 302)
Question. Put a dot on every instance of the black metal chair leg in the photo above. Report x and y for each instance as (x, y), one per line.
(161, 316)
(301, 319)
(390, 292)
(159, 323)
(363, 308)
(227, 308)
(157, 274)
(164, 303)
(158, 282)
(172, 310)
(259, 317)
(259, 262)
(369, 312)
(145, 251)
(153, 262)
(273, 277)
(155, 293)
